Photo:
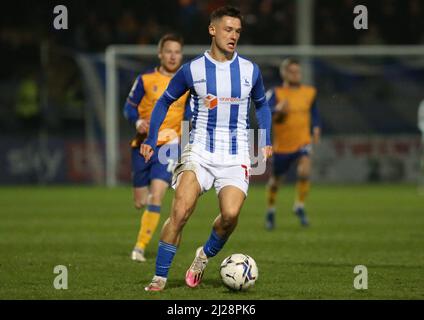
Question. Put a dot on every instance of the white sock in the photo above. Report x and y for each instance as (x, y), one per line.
(202, 254)
(298, 205)
(159, 278)
(272, 210)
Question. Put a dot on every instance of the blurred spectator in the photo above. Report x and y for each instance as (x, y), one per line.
(95, 24)
(127, 27)
(415, 21)
(27, 104)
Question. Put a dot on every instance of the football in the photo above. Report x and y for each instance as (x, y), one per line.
(239, 271)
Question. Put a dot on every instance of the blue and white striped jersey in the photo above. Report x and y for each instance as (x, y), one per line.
(221, 93)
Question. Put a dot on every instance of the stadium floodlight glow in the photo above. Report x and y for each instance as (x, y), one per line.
(421, 118)
(421, 164)
(112, 83)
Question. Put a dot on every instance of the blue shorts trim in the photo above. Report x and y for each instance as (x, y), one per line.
(143, 173)
(281, 162)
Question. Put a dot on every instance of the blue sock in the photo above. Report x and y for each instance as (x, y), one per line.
(166, 253)
(153, 208)
(213, 245)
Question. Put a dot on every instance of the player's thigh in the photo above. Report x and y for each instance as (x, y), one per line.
(192, 162)
(186, 194)
(304, 166)
(231, 184)
(231, 199)
(158, 189)
(233, 175)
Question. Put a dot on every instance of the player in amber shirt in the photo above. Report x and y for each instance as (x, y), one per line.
(151, 180)
(294, 112)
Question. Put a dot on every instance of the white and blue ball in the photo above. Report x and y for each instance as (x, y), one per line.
(239, 271)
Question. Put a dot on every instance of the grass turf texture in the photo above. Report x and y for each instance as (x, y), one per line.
(92, 231)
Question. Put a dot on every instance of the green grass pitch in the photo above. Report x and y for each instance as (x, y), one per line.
(92, 231)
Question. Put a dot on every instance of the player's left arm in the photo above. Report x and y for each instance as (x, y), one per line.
(131, 105)
(263, 112)
(316, 122)
(176, 88)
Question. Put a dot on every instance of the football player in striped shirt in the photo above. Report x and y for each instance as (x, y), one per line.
(151, 180)
(222, 85)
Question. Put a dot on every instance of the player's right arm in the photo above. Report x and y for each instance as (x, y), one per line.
(188, 112)
(178, 85)
(316, 122)
(131, 106)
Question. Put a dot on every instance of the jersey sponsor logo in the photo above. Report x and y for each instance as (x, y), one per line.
(211, 101)
(231, 100)
(199, 81)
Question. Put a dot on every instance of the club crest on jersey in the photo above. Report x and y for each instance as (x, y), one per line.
(246, 82)
(210, 101)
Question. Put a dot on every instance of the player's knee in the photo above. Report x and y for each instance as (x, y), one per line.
(140, 203)
(273, 184)
(273, 187)
(303, 173)
(155, 198)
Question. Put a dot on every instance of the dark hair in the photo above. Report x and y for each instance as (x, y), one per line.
(289, 61)
(226, 11)
(170, 37)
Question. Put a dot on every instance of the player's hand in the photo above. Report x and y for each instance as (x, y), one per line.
(146, 151)
(282, 107)
(142, 126)
(316, 135)
(267, 152)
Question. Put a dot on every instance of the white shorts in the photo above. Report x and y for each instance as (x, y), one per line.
(208, 175)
